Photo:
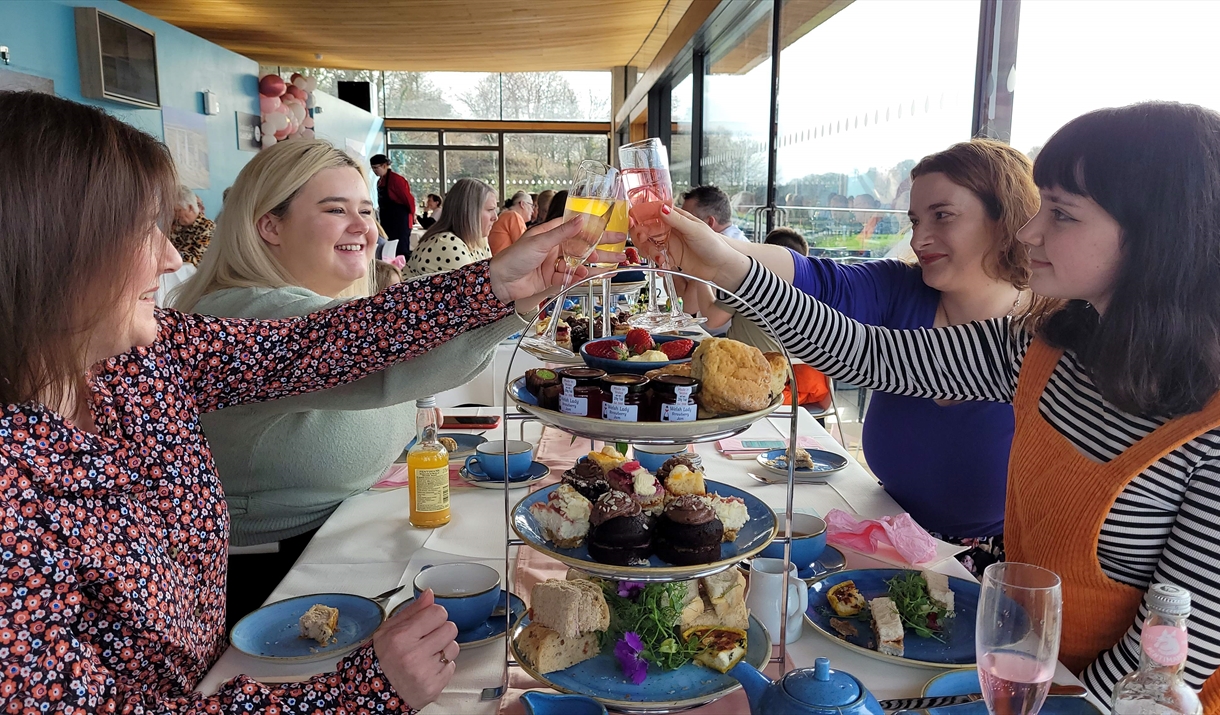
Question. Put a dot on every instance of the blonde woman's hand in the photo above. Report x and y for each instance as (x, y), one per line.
(532, 269)
(693, 247)
(416, 649)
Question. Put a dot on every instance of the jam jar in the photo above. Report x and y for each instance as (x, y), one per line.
(581, 391)
(675, 398)
(625, 398)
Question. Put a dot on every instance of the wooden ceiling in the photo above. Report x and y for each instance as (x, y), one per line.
(431, 35)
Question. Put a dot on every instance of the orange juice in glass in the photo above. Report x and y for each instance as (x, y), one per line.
(614, 240)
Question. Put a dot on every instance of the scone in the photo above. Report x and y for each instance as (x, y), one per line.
(682, 368)
(319, 623)
(736, 377)
(549, 651)
(569, 608)
(779, 372)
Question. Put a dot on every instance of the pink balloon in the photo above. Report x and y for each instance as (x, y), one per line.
(300, 80)
(305, 133)
(307, 123)
(282, 133)
(296, 92)
(268, 104)
(269, 140)
(271, 86)
(293, 78)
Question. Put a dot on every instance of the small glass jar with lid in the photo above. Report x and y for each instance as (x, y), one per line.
(581, 391)
(625, 398)
(675, 398)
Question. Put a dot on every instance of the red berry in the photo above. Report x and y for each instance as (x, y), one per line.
(602, 349)
(633, 256)
(677, 349)
(638, 341)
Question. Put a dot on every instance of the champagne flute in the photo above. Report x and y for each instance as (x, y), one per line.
(646, 179)
(591, 201)
(1016, 636)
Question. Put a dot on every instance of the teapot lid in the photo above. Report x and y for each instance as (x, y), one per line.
(821, 686)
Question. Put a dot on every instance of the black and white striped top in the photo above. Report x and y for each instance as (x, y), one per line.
(1164, 527)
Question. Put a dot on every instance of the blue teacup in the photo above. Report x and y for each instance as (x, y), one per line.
(489, 459)
(539, 703)
(468, 591)
(808, 540)
(651, 457)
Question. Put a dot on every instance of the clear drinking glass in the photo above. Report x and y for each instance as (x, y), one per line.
(591, 199)
(646, 179)
(1016, 636)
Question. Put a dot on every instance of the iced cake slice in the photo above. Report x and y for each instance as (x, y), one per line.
(731, 511)
(564, 516)
(319, 623)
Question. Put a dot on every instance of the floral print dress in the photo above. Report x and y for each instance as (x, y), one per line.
(113, 545)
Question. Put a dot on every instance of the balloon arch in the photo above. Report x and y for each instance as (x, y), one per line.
(286, 107)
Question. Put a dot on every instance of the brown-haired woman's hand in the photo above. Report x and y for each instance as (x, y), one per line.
(532, 268)
(692, 246)
(416, 649)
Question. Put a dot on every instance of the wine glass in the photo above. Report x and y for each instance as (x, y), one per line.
(646, 179)
(1016, 636)
(591, 201)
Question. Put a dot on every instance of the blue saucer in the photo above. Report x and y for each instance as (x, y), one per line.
(490, 630)
(824, 462)
(966, 682)
(537, 470)
(272, 632)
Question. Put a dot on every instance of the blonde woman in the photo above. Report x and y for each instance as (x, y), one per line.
(459, 236)
(297, 236)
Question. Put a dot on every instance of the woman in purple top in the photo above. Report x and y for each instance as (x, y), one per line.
(946, 464)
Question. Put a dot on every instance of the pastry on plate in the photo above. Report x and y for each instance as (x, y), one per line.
(845, 599)
(646, 489)
(449, 443)
(736, 377)
(620, 533)
(548, 651)
(564, 516)
(607, 458)
(887, 626)
(536, 379)
(320, 623)
(681, 368)
(717, 600)
(688, 532)
(570, 608)
(938, 590)
(779, 372)
(587, 478)
(682, 480)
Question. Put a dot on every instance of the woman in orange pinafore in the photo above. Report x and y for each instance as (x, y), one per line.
(1114, 478)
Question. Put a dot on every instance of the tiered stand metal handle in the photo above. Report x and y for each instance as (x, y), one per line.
(510, 541)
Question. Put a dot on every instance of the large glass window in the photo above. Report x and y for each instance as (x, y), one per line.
(536, 162)
(556, 96)
(680, 103)
(422, 169)
(442, 95)
(736, 114)
(853, 121)
(476, 164)
(531, 96)
(1074, 56)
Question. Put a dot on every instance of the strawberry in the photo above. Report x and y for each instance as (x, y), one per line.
(633, 256)
(620, 351)
(638, 341)
(602, 349)
(677, 349)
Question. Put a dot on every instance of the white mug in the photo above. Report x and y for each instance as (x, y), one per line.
(763, 596)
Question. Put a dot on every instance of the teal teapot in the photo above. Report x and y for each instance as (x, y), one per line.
(806, 691)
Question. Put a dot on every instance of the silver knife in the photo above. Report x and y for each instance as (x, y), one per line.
(947, 700)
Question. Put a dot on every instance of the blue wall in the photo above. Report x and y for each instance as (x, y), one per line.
(339, 121)
(41, 35)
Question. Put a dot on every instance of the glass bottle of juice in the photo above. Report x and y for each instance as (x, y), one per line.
(428, 469)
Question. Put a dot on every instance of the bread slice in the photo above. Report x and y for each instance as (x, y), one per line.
(319, 623)
(570, 608)
(549, 651)
(721, 602)
(845, 599)
(938, 590)
(887, 626)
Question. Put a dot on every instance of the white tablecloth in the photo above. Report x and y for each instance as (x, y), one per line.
(367, 546)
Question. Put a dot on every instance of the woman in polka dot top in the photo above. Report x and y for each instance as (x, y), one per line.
(115, 532)
(459, 237)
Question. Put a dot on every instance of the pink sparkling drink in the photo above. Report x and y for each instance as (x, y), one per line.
(1014, 683)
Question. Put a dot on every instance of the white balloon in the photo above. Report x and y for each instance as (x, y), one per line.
(301, 82)
(298, 112)
(279, 121)
(267, 129)
(307, 123)
(305, 133)
(312, 84)
(268, 140)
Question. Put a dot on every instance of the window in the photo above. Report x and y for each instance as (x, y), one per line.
(412, 138)
(556, 96)
(532, 96)
(422, 169)
(736, 114)
(328, 80)
(476, 164)
(536, 162)
(471, 139)
(680, 108)
(1075, 56)
(853, 121)
(442, 95)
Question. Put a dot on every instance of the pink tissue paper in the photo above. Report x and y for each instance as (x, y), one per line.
(864, 535)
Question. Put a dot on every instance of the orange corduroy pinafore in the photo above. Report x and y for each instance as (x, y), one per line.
(1057, 502)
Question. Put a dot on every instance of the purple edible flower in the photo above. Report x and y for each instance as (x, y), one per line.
(628, 650)
(630, 589)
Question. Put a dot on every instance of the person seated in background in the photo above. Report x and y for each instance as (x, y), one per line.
(297, 237)
(542, 205)
(967, 203)
(387, 273)
(459, 237)
(192, 231)
(511, 224)
(116, 531)
(395, 203)
(788, 238)
(558, 202)
(432, 211)
(711, 205)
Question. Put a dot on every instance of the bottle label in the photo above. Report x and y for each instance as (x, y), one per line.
(1165, 645)
(432, 489)
(679, 413)
(619, 412)
(570, 405)
(569, 386)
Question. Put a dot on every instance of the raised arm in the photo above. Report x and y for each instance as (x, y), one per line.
(1187, 561)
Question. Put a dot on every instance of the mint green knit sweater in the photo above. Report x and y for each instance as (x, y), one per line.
(287, 464)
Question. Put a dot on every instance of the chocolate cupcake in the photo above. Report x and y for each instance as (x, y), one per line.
(587, 478)
(538, 378)
(620, 533)
(688, 533)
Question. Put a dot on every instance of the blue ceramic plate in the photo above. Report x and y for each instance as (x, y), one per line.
(466, 444)
(272, 633)
(486, 482)
(758, 531)
(966, 682)
(626, 366)
(956, 651)
(824, 462)
(475, 472)
(831, 561)
(491, 629)
(601, 677)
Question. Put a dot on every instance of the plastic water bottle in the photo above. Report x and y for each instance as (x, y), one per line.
(1158, 687)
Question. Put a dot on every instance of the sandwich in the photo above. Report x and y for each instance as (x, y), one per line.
(565, 618)
(938, 590)
(887, 626)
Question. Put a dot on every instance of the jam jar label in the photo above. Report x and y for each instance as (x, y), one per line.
(569, 386)
(617, 409)
(682, 392)
(572, 405)
(679, 413)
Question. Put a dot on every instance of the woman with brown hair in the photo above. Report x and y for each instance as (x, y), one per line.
(115, 531)
(967, 203)
(459, 236)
